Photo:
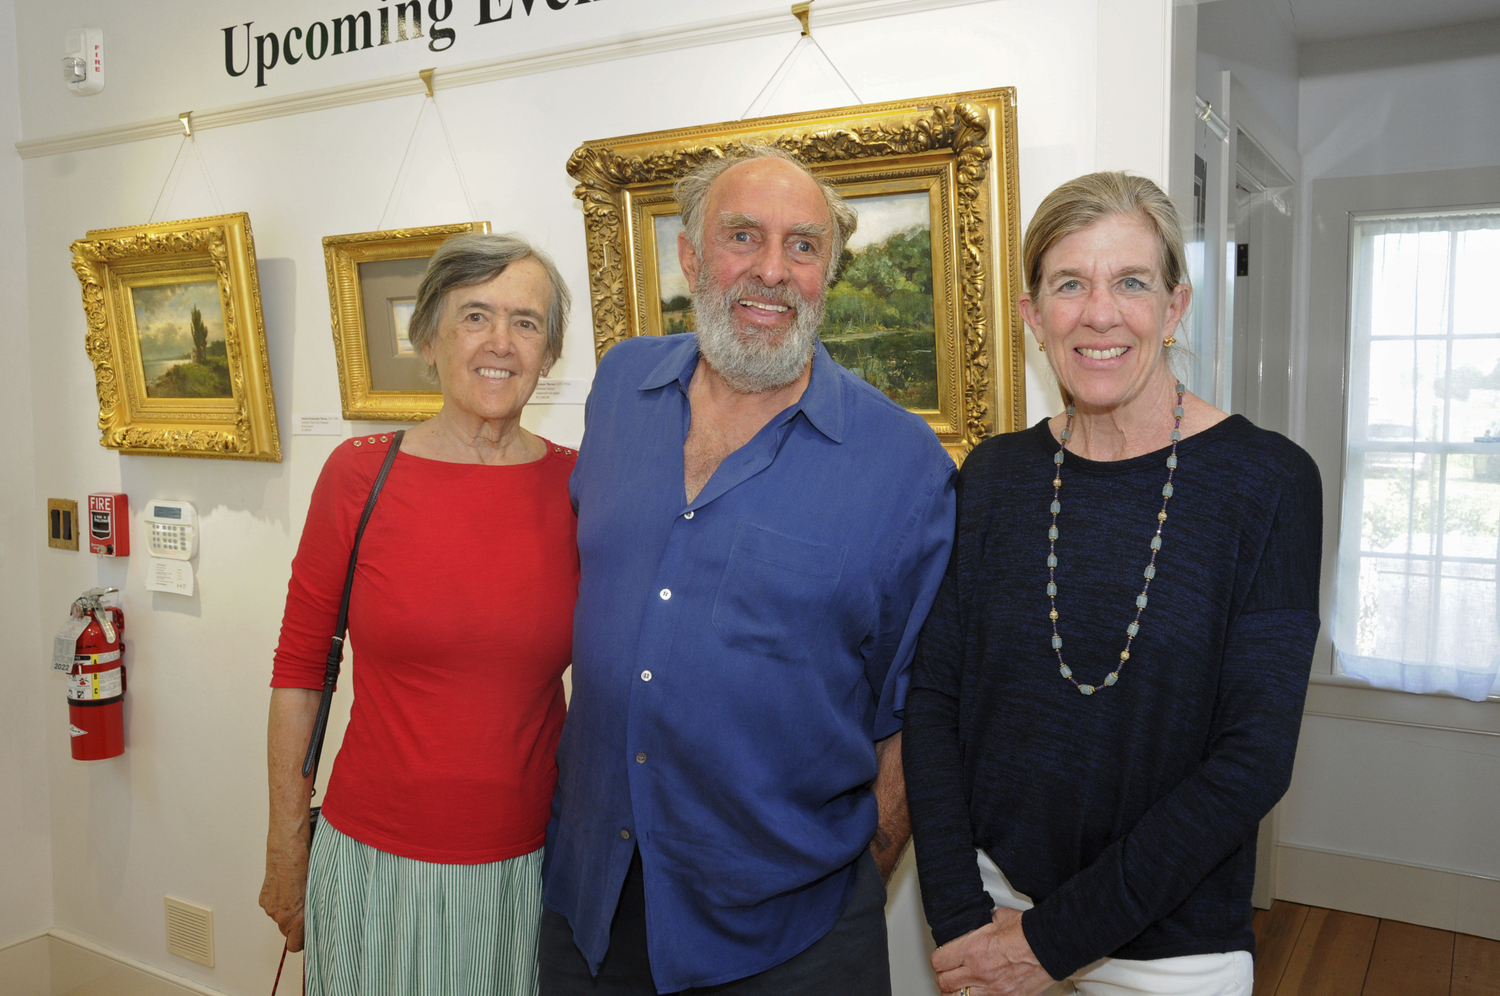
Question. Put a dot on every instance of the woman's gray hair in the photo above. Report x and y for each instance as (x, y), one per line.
(692, 197)
(477, 258)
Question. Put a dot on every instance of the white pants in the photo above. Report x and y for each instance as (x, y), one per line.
(1228, 974)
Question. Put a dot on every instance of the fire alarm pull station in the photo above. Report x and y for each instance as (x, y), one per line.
(109, 524)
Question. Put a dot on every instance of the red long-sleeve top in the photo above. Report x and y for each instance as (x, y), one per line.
(460, 627)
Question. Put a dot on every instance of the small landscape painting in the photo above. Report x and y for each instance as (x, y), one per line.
(180, 329)
(402, 308)
(879, 318)
(676, 300)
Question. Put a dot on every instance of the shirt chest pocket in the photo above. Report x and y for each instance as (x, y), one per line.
(774, 592)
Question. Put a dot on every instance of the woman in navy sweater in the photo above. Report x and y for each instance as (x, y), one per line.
(1108, 691)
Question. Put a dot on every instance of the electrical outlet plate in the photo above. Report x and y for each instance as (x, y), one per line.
(62, 524)
(190, 931)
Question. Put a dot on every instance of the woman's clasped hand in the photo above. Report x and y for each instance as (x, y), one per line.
(994, 960)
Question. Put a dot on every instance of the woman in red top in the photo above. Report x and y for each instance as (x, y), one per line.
(425, 872)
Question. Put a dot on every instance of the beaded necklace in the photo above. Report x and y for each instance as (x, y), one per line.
(1140, 600)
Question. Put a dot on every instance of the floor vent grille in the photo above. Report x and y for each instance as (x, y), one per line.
(190, 932)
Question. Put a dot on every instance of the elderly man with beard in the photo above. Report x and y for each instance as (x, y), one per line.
(761, 534)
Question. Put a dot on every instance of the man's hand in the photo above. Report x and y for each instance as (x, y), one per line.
(994, 960)
(893, 823)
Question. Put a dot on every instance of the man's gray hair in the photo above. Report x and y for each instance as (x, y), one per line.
(477, 258)
(692, 197)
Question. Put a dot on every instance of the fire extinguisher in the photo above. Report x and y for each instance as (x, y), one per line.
(96, 683)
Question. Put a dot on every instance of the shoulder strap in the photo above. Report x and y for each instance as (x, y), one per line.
(336, 650)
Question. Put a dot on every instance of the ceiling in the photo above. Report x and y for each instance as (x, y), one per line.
(1330, 20)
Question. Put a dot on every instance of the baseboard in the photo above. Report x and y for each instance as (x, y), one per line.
(57, 963)
(1432, 897)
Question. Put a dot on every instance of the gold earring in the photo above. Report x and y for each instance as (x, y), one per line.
(1169, 341)
(1042, 346)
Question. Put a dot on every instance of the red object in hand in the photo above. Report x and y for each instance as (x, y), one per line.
(96, 686)
(109, 524)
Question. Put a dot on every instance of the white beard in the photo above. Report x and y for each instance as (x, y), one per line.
(747, 361)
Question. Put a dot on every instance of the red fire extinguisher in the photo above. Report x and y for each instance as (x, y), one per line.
(96, 683)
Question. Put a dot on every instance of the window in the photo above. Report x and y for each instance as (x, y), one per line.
(1417, 606)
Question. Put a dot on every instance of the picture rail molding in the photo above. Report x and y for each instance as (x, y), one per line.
(774, 20)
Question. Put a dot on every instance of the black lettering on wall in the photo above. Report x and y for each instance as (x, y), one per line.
(286, 46)
(347, 21)
(229, 49)
(413, 7)
(444, 35)
(261, 65)
(385, 25)
(322, 43)
(485, 15)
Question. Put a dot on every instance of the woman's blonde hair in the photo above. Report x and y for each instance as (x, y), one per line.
(1079, 203)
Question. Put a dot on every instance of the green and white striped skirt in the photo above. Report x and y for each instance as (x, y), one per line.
(382, 925)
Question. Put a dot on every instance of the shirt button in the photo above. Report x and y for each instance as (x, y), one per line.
(688, 514)
(640, 758)
(624, 834)
(666, 593)
(645, 675)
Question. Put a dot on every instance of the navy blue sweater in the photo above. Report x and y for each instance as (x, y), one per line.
(1128, 816)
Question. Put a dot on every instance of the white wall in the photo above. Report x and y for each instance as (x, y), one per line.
(183, 811)
(1403, 795)
(1401, 103)
(24, 650)
(1250, 39)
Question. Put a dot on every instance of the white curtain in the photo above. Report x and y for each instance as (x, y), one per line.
(1417, 606)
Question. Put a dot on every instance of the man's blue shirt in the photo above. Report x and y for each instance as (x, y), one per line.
(735, 658)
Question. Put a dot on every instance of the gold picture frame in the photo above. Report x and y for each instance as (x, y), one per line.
(177, 339)
(372, 283)
(958, 151)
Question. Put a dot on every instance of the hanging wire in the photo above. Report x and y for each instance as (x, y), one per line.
(857, 98)
(473, 215)
(212, 193)
(401, 170)
(170, 171)
(174, 170)
(774, 83)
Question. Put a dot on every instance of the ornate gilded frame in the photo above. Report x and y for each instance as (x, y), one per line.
(960, 146)
(111, 263)
(343, 255)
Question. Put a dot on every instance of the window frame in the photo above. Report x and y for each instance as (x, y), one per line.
(1332, 205)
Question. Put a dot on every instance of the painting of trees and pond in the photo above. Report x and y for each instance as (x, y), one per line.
(879, 318)
(180, 329)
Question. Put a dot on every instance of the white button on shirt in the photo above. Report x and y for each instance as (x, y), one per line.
(666, 593)
(645, 675)
(688, 514)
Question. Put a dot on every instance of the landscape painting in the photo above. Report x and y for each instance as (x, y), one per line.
(922, 302)
(676, 300)
(402, 308)
(879, 322)
(879, 319)
(180, 330)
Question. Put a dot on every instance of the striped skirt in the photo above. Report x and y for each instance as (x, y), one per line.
(382, 925)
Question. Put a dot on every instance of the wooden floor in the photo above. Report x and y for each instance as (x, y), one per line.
(1307, 951)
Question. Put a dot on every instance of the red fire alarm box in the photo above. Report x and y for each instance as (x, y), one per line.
(109, 525)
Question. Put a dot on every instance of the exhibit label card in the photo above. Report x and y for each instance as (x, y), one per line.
(560, 392)
(319, 425)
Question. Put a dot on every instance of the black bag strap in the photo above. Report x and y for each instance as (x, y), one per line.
(336, 649)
